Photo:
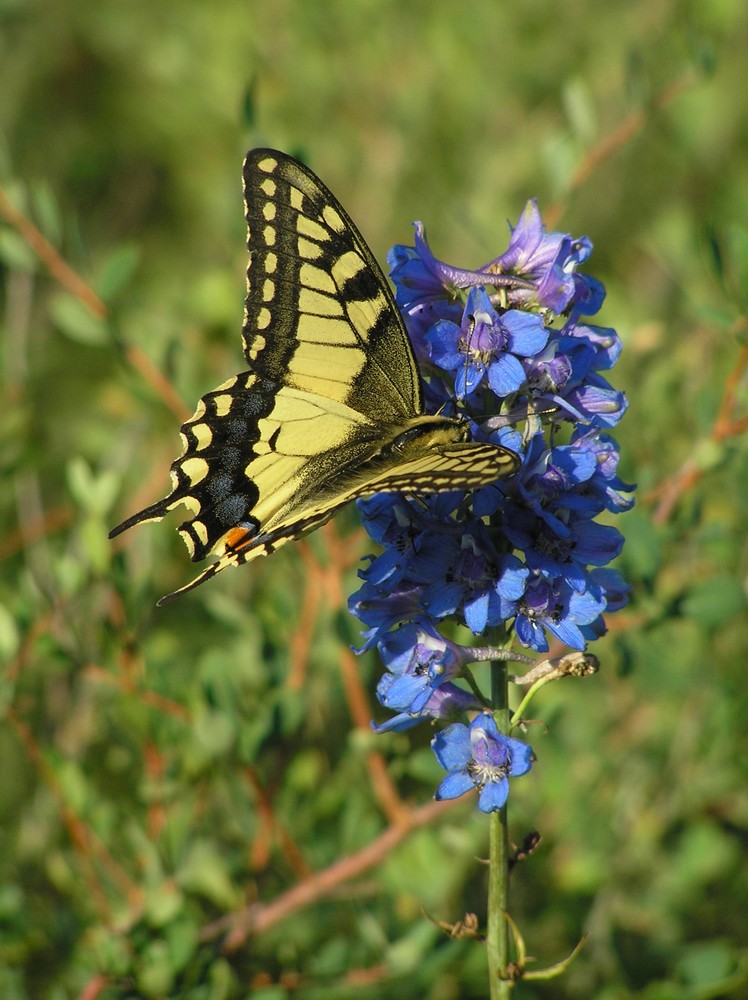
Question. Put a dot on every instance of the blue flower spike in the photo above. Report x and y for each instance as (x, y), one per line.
(510, 347)
(480, 756)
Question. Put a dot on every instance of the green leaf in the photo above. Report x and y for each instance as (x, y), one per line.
(77, 322)
(249, 110)
(94, 493)
(642, 552)
(9, 637)
(204, 872)
(707, 962)
(162, 903)
(182, 936)
(47, 211)
(215, 731)
(15, 251)
(118, 271)
(711, 602)
(155, 975)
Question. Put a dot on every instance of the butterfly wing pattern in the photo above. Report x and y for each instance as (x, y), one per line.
(331, 407)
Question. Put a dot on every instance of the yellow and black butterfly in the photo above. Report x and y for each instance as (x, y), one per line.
(331, 407)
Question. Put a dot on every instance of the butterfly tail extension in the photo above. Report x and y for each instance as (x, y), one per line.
(241, 547)
(153, 513)
(203, 577)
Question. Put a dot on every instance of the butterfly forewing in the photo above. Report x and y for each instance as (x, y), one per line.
(332, 406)
(313, 283)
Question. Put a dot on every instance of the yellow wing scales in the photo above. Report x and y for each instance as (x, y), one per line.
(331, 407)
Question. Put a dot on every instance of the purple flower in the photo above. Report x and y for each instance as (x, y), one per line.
(444, 702)
(479, 756)
(536, 272)
(548, 261)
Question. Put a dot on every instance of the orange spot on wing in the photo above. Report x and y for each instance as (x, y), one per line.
(238, 538)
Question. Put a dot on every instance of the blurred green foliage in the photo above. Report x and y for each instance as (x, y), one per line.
(166, 776)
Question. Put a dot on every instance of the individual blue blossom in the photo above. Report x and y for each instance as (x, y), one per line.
(383, 610)
(440, 566)
(580, 476)
(420, 278)
(602, 339)
(603, 490)
(421, 665)
(418, 660)
(480, 756)
(549, 261)
(561, 547)
(565, 376)
(444, 702)
(610, 583)
(486, 346)
(423, 289)
(596, 402)
(552, 605)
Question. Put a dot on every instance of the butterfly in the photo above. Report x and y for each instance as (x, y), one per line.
(331, 405)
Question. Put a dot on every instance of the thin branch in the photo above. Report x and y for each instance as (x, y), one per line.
(358, 702)
(65, 276)
(301, 637)
(612, 142)
(269, 826)
(40, 627)
(156, 379)
(126, 685)
(48, 255)
(94, 987)
(384, 788)
(259, 917)
(725, 425)
(35, 528)
(85, 842)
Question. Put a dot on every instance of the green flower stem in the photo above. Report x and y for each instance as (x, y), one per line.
(497, 937)
(528, 698)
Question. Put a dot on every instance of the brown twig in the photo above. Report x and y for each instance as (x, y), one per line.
(64, 275)
(54, 263)
(94, 987)
(301, 638)
(356, 696)
(40, 627)
(153, 763)
(725, 425)
(126, 684)
(269, 826)
(259, 917)
(612, 142)
(156, 379)
(85, 842)
(384, 788)
(35, 528)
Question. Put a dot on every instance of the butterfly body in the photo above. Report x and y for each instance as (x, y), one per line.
(331, 407)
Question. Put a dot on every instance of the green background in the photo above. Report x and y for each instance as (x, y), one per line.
(162, 770)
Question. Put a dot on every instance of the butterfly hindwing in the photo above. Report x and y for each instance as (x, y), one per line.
(332, 405)
(456, 465)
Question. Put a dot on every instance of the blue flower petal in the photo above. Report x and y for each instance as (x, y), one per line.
(452, 747)
(493, 795)
(506, 375)
(454, 785)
